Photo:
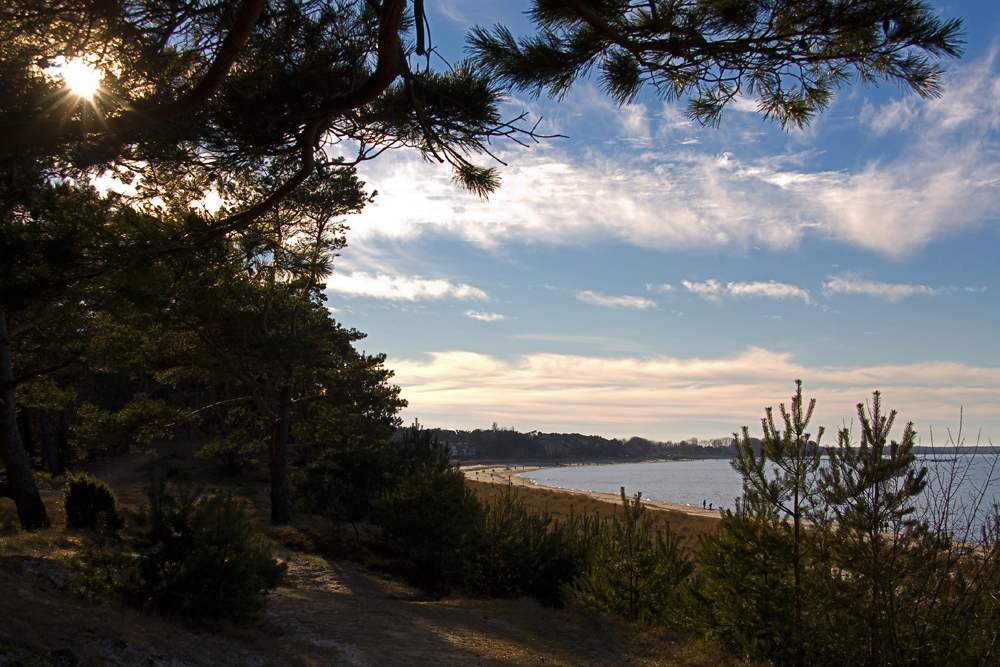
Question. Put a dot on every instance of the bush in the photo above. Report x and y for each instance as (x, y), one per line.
(850, 562)
(200, 559)
(341, 483)
(430, 517)
(633, 571)
(519, 553)
(195, 558)
(90, 503)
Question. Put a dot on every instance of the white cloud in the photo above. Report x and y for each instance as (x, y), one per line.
(359, 283)
(713, 290)
(665, 397)
(745, 104)
(768, 290)
(710, 289)
(484, 316)
(943, 180)
(897, 115)
(596, 299)
(850, 283)
(663, 287)
(634, 122)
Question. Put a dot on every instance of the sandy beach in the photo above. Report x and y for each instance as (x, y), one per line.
(499, 473)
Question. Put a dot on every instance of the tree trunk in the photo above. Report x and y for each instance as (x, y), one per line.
(280, 497)
(27, 434)
(21, 481)
(48, 443)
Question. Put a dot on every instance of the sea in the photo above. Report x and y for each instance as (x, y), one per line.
(973, 479)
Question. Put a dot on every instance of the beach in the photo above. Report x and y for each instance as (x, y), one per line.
(489, 479)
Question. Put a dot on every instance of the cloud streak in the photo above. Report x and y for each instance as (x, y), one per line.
(397, 288)
(713, 290)
(595, 299)
(483, 316)
(666, 398)
(893, 292)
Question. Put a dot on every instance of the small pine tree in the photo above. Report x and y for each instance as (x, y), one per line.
(782, 482)
(200, 559)
(517, 552)
(871, 489)
(746, 591)
(430, 516)
(91, 503)
(633, 571)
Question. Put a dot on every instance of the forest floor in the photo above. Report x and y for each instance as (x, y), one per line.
(327, 612)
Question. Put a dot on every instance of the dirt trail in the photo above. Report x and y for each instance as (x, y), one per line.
(336, 610)
(327, 612)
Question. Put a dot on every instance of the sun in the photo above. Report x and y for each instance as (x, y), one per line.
(81, 77)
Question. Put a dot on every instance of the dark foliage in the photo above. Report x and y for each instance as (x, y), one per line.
(90, 503)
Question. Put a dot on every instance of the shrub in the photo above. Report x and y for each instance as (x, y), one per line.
(517, 552)
(90, 503)
(194, 558)
(430, 516)
(200, 559)
(850, 562)
(341, 483)
(633, 571)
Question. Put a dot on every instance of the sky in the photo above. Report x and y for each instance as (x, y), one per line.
(647, 276)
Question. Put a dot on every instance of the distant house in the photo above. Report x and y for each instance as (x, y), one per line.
(462, 451)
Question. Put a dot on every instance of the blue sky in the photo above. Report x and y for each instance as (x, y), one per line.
(649, 276)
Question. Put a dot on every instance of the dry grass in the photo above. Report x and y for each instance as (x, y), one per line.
(689, 525)
(328, 612)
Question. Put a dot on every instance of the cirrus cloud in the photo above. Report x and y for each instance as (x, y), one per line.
(713, 290)
(596, 299)
(667, 196)
(850, 283)
(666, 398)
(483, 316)
(398, 288)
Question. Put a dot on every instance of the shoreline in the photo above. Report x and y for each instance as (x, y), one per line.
(500, 473)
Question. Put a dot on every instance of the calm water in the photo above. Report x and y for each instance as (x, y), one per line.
(682, 482)
(714, 480)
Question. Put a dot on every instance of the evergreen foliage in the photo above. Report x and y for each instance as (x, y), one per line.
(844, 563)
(746, 596)
(430, 516)
(791, 55)
(200, 560)
(780, 487)
(427, 512)
(193, 557)
(632, 572)
(520, 553)
(341, 483)
(872, 488)
(90, 503)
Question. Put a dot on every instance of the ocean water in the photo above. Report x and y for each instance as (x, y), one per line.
(714, 482)
(683, 482)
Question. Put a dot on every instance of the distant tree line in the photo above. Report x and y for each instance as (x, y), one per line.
(506, 443)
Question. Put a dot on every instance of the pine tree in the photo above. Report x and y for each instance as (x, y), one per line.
(872, 488)
(791, 55)
(784, 478)
(633, 571)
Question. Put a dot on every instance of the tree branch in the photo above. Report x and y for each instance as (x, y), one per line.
(51, 131)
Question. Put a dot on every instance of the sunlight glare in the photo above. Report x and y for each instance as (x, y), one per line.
(79, 75)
